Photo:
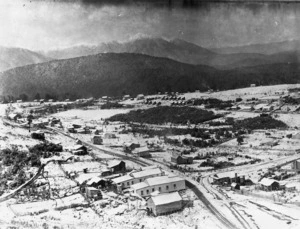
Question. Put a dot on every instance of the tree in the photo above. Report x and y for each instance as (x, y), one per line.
(37, 96)
(240, 139)
(23, 97)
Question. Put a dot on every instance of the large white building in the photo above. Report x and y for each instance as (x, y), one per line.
(162, 184)
(137, 177)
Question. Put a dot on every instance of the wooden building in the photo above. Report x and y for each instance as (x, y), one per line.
(165, 203)
(97, 140)
(137, 177)
(116, 166)
(162, 184)
(267, 184)
(181, 159)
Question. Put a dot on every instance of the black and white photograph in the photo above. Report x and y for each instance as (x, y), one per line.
(150, 114)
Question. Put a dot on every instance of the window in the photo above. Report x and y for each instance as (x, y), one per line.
(147, 191)
(153, 189)
(174, 185)
(159, 189)
(131, 182)
(142, 193)
(140, 180)
(128, 183)
(167, 187)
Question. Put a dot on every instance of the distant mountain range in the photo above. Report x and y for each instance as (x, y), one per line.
(266, 49)
(185, 52)
(15, 57)
(125, 73)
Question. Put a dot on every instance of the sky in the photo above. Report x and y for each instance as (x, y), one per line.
(50, 24)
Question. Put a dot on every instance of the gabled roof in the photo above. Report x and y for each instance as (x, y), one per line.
(166, 198)
(147, 172)
(162, 180)
(141, 149)
(94, 180)
(122, 179)
(113, 163)
(267, 182)
(77, 147)
(139, 185)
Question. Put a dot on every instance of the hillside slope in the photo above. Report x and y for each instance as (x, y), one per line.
(117, 74)
(15, 57)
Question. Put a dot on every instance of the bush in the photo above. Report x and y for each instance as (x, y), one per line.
(164, 114)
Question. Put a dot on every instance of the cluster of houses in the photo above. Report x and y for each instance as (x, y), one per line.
(161, 191)
(236, 181)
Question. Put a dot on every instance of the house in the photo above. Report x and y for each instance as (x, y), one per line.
(253, 85)
(137, 177)
(93, 193)
(181, 159)
(79, 150)
(225, 178)
(162, 184)
(76, 125)
(116, 166)
(106, 172)
(97, 182)
(234, 186)
(267, 184)
(39, 135)
(130, 146)
(142, 152)
(290, 187)
(108, 135)
(140, 96)
(97, 140)
(126, 97)
(165, 203)
(14, 116)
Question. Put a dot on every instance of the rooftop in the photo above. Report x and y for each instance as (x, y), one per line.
(267, 181)
(113, 163)
(162, 180)
(166, 198)
(139, 185)
(147, 172)
(122, 179)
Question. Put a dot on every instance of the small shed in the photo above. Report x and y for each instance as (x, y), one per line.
(165, 203)
(234, 186)
(179, 159)
(142, 152)
(116, 166)
(92, 192)
(97, 140)
(79, 150)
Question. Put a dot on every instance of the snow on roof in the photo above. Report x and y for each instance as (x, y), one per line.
(77, 147)
(226, 174)
(122, 179)
(141, 149)
(113, 163)
(91, 188)
(94, 180)
(166, 198)
(147, 172)
(162, 180)
(267, 181)
(149, 167)
(140, 185)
